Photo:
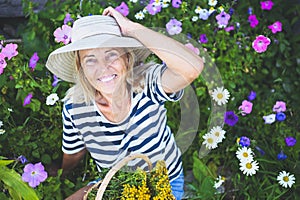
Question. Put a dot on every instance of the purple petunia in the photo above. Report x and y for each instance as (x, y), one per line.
(222, 19)
(34, 174)
(68, 18)
(230, 118)
(253, 21)
(280, 106)
(22, 159)
(203, 39)
(10, 50)
(27, 99)
(174, 27)
(33, 60)
(2, 63)
(123, 9)
(153, 8)
(281, 156)
(290, 141)
(63, 34)
(244, 141)
(55, 81)
(176, 3)
(280, 116)
(252, 96)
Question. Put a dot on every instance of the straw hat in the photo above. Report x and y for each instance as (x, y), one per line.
(91, 32)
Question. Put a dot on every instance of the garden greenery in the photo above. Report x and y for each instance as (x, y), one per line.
(253, 152)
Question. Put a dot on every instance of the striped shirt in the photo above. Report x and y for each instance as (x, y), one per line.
(144, 130)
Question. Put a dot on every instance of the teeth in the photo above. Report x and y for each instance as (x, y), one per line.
(107, 78)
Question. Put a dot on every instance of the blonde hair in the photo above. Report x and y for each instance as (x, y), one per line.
(83, 92)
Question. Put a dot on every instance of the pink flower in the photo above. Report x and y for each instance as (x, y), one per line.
(280, 106)
(27, 99)
(153, 9)
(276, 27)
(10, 50)
(123, 9)
(176, 3)
(222, 19)
(63, 34)
(192, 48)
(33, 60)
(2, 63)
(229, 28)
(253, 21)
(266, 5)
(246, 107)
(260, 44)
(174, 27)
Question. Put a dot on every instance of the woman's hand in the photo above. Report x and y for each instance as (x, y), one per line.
(127, 26)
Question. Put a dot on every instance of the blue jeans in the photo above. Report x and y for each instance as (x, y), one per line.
(177, 187)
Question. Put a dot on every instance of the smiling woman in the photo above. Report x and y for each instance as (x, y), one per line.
(116, 106)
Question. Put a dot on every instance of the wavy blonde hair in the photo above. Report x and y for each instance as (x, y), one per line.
(83, 92)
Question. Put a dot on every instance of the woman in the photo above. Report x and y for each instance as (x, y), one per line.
(116, 107)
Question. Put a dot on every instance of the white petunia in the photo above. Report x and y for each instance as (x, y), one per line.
(204, 14)
(198, 9)
(219, 181)
(220, 95)
(165, 3)
(244, 154)
(218, 132)
(269, 119)
(195, 18)
(133, 1)
(2, 131)
(140, 15)
(51, 99)
(210, 141)
(1, 123)
(212, 2)
(249, 168)
(285, 179)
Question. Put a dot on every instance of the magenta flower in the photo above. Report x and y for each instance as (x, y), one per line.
(2, 63)
(33, 60)
(10, 50)
(222, 19)
(253, 21)
(63, 34)
(246, 107)
(34, 174)
(123, 9)
(229, 28)
(153, 8)
(174, 27)
(27, 99)
(176, 3)
(276, 27)
(290, 141)
(230, 118)
(280, 106)
(192, 48)
(203, 39)
(266, 5)
(260, 44)
(68, 18)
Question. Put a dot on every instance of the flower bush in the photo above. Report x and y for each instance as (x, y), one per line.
(247, 144)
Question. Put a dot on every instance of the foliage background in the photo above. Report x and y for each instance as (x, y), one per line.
(35, 130)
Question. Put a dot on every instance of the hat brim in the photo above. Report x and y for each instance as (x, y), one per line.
(61, 62)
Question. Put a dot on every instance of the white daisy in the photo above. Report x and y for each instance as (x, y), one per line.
(165, 3)
(212, 2)
(249, 168)
(218, 132)
(220, 95)
(244, 154)
(219, 181)
(51, 99)
(210, 141)
(285, 179)
(198, 9)
(140, 15)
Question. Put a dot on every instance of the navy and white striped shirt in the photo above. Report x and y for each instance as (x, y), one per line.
(144, 130)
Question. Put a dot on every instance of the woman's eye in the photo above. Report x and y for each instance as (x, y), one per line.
(111, 56)
(90, 61)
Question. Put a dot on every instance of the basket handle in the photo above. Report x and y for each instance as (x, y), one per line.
(116, 168)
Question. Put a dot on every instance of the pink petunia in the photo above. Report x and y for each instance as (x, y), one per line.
(176, 3)
(10, 50)
(253, 21)
(2, 63)
(153, 8)
(276, 27)
(229, 28)
(192, 48)
(123, 9)
(63, 34)
(260, 44)
(246, 107)
(280, 106)
(174, 27)
(266, 5)
(222, 19)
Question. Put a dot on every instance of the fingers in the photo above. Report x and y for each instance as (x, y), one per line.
(108, 11)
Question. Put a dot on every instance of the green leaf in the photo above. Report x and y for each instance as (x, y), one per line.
(5, 162)
(17, 188)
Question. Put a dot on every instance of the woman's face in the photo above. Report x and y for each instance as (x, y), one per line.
(104, 68)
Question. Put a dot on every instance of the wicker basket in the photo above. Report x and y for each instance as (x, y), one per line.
(112, 172)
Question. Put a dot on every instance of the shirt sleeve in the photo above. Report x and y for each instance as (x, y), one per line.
(72, 140)
(153, 86)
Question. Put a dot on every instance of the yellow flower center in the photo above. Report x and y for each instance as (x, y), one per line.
(248, 166)
(220, 96)
(217, 134)
(286, 179)
(210, 140)
(245, 154)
